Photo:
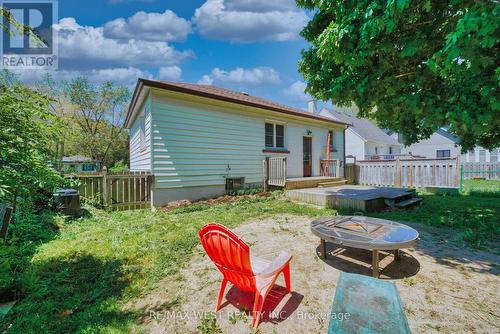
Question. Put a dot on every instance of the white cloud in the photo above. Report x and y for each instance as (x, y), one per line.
(126, 76)
(254, 76)
(206, 80)
(297, 91)
(86, 46)
(169, 73)
(250, 20)
(165, 26)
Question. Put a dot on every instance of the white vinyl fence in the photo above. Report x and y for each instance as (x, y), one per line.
(486, 170)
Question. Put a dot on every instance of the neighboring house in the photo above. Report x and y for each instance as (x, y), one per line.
(364, 140)
(440, 144)
(78, 163)
(480, 154)
(197, 139)
(443, 144)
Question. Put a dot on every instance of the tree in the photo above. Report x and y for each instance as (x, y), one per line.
(9, 25)
(413, 67)
(28, 131)
(93, 116)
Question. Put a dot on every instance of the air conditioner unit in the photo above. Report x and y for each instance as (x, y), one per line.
(234, 183)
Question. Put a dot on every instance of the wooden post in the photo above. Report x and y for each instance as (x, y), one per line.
(265, 164)
(284, 171)
(337, 168)
(458, 175)
(397, 173)
(104, 186)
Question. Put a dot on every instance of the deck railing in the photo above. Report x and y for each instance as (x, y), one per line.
(329, 167)
(413, 173)
(372, 157)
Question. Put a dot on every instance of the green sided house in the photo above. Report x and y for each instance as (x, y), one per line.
(200, 141)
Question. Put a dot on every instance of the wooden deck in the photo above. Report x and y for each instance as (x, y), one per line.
(351, 197)
(308, 182)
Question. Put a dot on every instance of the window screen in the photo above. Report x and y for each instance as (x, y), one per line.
(472, 156)
(482, 155)
(280, 136)
(494, 156)
(269, 135)
(443, 153)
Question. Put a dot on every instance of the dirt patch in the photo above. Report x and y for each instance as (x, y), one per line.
(218, 200)
(443, 288)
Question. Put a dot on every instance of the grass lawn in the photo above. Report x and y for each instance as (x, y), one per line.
(473, 217)
(487, 188)
(79, 280)
(76, 276)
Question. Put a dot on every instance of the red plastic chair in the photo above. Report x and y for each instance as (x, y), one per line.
(232, 257)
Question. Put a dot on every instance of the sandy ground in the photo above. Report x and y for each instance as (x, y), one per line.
(443, 288)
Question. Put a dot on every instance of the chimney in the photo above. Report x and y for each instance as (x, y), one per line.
(311, 106)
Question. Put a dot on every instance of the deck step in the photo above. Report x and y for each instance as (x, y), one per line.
(332, 184)
(409, 202)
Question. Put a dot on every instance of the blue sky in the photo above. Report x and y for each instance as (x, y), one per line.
(244, 45)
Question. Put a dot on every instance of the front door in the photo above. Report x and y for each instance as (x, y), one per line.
(307, 148)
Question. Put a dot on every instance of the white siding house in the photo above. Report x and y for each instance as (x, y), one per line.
(194, 137)
(364, 140)
(440, 144)
(480, 154)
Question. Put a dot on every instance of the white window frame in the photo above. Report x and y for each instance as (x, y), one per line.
(443, 157)
(274, 123)
(495, 153)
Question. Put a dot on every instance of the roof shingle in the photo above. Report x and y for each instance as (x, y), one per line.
(224, 95)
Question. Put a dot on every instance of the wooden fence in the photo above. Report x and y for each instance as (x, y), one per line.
(487, 170)
(274, 171)
(123, 191)
(410, 173)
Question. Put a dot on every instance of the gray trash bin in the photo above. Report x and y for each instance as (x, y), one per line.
(67, 201)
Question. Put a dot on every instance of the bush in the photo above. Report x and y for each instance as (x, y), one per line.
(119, 167)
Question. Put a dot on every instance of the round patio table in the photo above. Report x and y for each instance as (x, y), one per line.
(366, 233)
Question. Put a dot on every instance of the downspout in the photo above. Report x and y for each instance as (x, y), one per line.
(344, 152)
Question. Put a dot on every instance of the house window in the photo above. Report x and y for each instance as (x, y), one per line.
(482, 155)
(333, 142)
(275, 135)
(390, 149)
(443, 154)
(472, 156)
(494, 155)
(88, 167)
(280, 135)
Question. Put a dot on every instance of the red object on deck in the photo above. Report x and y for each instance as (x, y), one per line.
(231, 256)
(328, 142)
